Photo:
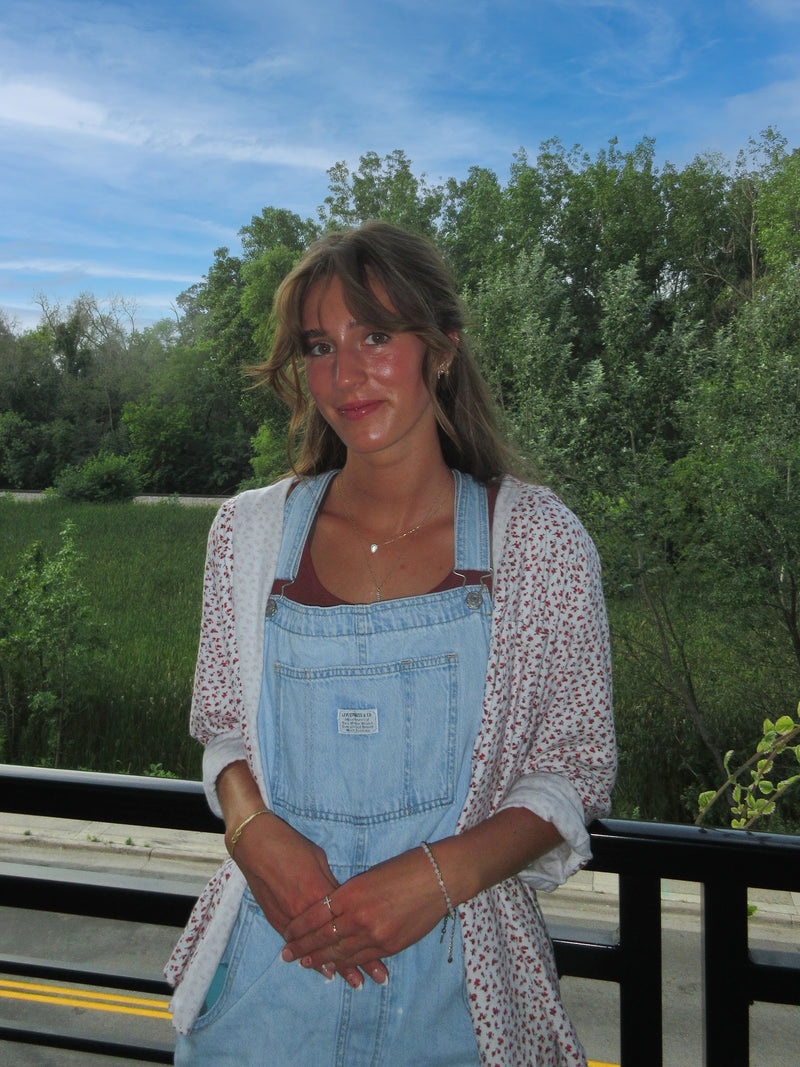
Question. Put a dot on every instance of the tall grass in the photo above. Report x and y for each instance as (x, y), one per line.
(143, 568)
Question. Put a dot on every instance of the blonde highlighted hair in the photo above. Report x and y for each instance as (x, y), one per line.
(424, 301)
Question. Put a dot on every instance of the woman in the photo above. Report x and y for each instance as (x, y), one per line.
(403, 688)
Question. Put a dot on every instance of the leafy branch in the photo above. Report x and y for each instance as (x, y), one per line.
(758, 797)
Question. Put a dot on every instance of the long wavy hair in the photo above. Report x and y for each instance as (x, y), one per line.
(424, 301)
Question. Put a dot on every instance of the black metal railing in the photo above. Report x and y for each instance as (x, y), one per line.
(725, 863)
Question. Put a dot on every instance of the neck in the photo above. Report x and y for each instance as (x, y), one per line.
(395, 496)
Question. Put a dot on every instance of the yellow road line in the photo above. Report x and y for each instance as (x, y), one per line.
(96, 1001)
(597, 1063)
(84, 998)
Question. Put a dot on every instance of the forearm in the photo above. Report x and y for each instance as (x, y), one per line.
(494, 850)
(392, 905)
(239, 797)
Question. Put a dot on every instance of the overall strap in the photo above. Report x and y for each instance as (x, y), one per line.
(298, 518)
(473, 548)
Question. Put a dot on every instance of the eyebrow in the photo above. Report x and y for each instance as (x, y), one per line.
(353, 324)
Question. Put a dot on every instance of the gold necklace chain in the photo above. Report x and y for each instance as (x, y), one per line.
(370, 547)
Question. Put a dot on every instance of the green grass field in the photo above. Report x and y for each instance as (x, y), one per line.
(142, 565)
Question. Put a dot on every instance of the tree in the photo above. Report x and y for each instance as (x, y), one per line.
(524, 333)
(741, 472)
(381, 189)
(276, 228)
(188, 435)
(27, 458)
(697, 238)
(778, 213)
(472, 227)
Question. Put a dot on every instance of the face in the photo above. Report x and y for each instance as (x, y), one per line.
(367, 384)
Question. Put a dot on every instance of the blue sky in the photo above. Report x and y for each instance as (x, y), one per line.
(136, 137)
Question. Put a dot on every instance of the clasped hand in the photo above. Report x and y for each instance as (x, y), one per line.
(374, 914)
(377, 913)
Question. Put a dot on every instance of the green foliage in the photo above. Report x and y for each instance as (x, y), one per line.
(640, 329)
(758, 798)
(141, 570)
(156, 770)
(190, 435)
(269, 459)
(524, 333)
(101, 479)
(778, 213)
(26, 452)
(381, 189)
(48, 646)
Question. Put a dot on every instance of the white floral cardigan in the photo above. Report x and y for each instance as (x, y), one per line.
(546, 742)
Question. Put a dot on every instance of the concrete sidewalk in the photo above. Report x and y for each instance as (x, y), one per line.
(588, 899)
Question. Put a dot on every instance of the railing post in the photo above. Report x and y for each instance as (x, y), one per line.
(726, 1001)
(640, 980)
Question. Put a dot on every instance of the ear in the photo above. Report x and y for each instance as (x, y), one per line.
(447, 358)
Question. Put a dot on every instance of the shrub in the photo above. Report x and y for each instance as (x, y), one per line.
(49, 641)
(102, 479)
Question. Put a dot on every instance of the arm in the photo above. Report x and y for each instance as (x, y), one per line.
(216, 713)
(286, 872)
(396, 903)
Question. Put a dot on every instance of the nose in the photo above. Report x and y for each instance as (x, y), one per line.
(348, 365)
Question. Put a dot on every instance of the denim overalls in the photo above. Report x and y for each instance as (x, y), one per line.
(367, 721)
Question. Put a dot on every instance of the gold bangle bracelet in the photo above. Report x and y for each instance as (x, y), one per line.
(237, 833)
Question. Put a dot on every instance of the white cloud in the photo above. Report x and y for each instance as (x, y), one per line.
(89, 269)
(777, 105)
(782, 10)
(40, 106)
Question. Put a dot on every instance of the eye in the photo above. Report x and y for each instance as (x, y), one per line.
(320, 348)
(377, 337)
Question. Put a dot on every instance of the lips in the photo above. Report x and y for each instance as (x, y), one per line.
(358, 409)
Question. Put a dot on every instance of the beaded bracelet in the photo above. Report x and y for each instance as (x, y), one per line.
(237, 833)
(451, 912)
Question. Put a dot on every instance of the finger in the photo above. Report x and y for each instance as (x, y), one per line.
(313, 919)
(352, 976)
(329, 970)
(324, 939)
(343, 957)
(377, 971)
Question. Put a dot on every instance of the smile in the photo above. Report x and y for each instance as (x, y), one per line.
(359, 409)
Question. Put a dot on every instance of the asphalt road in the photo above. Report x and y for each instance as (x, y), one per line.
(589, 900)
(594, 1006)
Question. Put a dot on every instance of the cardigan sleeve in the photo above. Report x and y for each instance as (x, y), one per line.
(572, 696)
(216, 718)
(547, 741)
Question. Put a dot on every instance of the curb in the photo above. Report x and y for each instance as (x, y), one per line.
(589, 897)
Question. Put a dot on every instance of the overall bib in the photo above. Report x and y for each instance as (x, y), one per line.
(367, 721)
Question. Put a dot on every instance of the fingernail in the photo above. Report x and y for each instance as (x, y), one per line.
(355, 983)
(329, 971)
(287, 956)
(305, 961)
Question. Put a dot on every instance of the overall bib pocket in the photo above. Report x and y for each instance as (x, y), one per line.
(396, 723)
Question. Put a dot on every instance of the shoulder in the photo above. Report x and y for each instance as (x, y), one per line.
(537, 523)
(248, 515)
(254, 503)
(535, 507)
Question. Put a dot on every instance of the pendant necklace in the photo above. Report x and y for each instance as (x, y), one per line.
(371, 547)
